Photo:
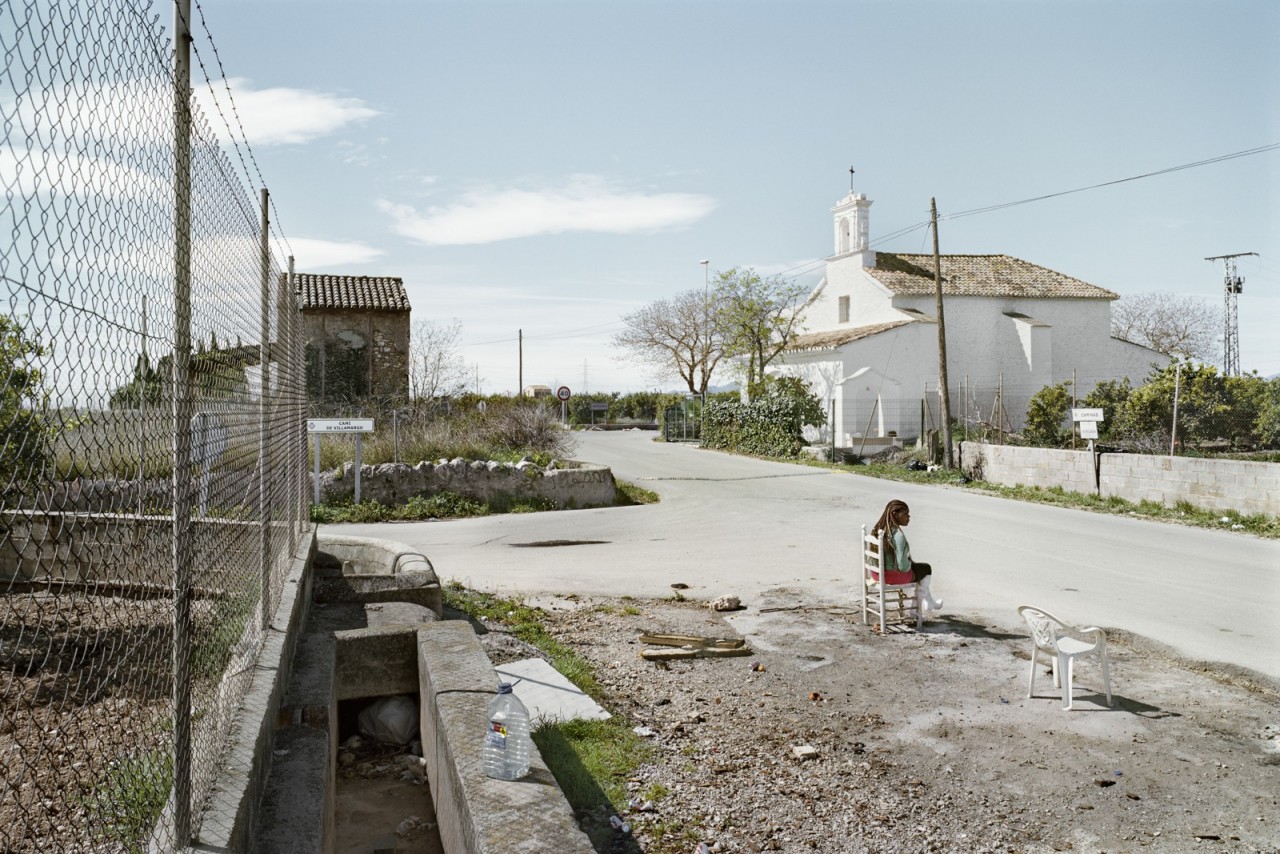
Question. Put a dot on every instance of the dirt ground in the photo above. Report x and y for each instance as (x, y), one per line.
(920, 741)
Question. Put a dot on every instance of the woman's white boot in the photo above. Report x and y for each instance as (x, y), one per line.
(930, 603)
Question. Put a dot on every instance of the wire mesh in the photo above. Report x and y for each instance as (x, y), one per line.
(133, 594)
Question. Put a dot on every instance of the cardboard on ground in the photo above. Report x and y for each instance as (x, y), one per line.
(547, 694)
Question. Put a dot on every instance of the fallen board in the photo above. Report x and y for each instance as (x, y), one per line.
(693, 652)
(692, 640)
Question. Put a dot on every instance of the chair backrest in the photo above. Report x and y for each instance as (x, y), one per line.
(872, 552)
(1043, 626)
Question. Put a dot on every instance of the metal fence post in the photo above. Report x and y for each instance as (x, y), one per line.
(288, 379)
(182, 539)
(264, 448)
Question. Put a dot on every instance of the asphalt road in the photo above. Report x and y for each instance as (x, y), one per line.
(733, 525)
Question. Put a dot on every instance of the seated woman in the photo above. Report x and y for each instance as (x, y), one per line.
(898, 566)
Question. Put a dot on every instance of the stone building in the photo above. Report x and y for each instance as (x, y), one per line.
(357, 334)
(869, 344)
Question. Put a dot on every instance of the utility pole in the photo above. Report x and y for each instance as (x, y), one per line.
(520, 375)
(943, 394)
(1232, 285)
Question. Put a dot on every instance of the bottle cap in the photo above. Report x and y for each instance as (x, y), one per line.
(504, 687)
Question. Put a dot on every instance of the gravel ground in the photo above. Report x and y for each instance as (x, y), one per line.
(919, 741)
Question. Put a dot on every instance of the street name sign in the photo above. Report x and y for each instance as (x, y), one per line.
(1091, 414)
(339, 425)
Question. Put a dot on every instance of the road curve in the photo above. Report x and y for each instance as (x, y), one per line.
(734, 525)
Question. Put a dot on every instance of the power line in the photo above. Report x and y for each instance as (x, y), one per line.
(1219, 159)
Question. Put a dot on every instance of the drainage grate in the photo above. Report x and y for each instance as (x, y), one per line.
(545, 544)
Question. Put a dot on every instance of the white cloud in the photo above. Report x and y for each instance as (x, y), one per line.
(281, 115)
(585, 203)
(32, 173)
(310, 253)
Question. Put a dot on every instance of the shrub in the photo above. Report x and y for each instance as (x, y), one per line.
(770, 426)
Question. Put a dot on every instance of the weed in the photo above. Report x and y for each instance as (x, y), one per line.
(630, 611)
(629, 494)
(125, 807)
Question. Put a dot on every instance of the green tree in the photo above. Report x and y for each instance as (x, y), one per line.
(1147, 418)
(1046, 412)
(25, 450)
(1267, 425)
(757, 318)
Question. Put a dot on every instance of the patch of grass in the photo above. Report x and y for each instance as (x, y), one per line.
(630, 494)
(125, 807)
(592, 760)
(442, 505)
(630, 611)
(526, 623)
(531, 505)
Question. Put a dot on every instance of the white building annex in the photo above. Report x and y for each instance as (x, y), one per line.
(870, 336)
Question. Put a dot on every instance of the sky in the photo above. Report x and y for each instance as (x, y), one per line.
(545, 168)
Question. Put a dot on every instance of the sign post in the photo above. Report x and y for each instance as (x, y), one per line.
(564, 394)
(359, 426)
(1087, 419)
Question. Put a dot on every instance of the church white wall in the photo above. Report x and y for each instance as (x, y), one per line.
(869, 301)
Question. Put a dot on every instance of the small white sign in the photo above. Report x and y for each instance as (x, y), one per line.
(340, 425)
(1087, 415)
(1088, 429)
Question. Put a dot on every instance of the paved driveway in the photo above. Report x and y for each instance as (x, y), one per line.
(732, 525)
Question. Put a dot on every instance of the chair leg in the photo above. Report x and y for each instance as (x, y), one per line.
(1064, 672)
(1106, 677)
(1035, 660)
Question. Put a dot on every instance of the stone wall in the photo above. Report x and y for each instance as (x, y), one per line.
(563, 485)
(1246, 487)
(353, 353)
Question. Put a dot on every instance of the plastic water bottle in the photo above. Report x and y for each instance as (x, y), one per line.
(507, 745)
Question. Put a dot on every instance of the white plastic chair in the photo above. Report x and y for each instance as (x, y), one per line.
(885, 603)
(1064, 644)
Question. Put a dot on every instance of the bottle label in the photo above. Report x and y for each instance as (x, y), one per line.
(497, 736)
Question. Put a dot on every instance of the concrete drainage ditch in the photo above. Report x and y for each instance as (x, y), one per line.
(361, 620)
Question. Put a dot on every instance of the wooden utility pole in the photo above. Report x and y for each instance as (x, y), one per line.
(943, 394)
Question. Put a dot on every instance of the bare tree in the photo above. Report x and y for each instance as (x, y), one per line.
(757, 317)
(436, 368)
(676, 337)
(1169, 324)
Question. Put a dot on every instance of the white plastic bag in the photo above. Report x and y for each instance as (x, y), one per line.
(391, 720)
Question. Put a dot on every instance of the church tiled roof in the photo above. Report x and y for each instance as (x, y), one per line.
(979, 276)
(370, 293)
(833, 338)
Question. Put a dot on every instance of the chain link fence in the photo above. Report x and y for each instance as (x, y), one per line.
(153, 459)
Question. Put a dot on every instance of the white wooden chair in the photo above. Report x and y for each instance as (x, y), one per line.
(883, 603)
(1063, 644)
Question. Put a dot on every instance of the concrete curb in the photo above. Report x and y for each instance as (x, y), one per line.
(475, 813)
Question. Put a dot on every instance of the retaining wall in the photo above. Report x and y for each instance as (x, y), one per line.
(560, 484)
(123, 549)
(1240, 485)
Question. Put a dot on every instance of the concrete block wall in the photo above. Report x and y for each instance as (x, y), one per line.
(1239, 485)
(1014, 466)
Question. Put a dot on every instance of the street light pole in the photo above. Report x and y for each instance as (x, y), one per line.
(706, 325)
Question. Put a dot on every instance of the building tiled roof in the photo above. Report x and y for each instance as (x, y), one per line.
(833, 338)
(979, 276)
(371, 293)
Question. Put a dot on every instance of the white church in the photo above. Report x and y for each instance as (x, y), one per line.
(869, 339)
